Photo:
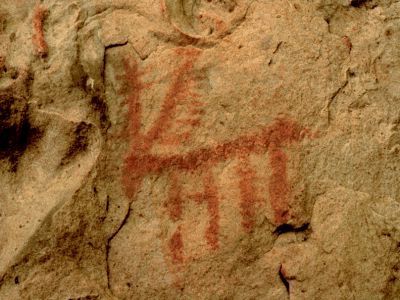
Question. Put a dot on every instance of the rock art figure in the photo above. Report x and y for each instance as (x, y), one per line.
(141, 162)
(199, 149)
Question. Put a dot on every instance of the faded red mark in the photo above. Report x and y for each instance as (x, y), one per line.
(219, 25)
(279, 185)
(248, 197)
(163, 7)
(2, 63)
(176, 246)
(38, 39)
(211, 198)
(347, 42)
(174, 204)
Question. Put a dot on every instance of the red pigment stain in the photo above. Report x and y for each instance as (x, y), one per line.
(163, 7)
(191, 122)
(174, 204)
(178, 91)
(347, 42)
(38, 39)
(248, 196)
(2, 63)
(279, 185)
(211, 198)
(135, 87)
(176, 246)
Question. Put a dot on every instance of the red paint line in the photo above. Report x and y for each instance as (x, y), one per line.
(178, 91)
(279, 188)
(176, 247)
(38, 39)
(212, 200)
(174, 204)
(258, 143)
(248, 197)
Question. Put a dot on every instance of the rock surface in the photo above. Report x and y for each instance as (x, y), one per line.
(210, 149)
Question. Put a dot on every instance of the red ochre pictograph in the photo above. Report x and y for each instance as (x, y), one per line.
(140, 162)
(38, 39)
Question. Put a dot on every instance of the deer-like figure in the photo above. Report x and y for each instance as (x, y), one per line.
(140, 162)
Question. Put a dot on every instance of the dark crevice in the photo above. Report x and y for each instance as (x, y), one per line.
(335, 95)
(285, 228)
(277, 47)
(103, 71)
(107, 204)
(108, 245)
(97, 101)
(357, 3)
(80, 143)
(101, 108)
(88, 297)
(77, 72)
(284, 280)
(116, 45)
(15, 139)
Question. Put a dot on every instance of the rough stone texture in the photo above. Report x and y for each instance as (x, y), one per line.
(209, 149)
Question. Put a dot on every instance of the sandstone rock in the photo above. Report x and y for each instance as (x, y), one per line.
(205, 149)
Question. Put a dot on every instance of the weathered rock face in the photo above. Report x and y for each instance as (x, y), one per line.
(182, 149)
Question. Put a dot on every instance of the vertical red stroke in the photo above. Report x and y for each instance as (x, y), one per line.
(2, 63)
(174, 203)
(248, 197)
(284, 132)
(135, 85)
(38, 39)
(279, 184)
(176, 246)
(211, 198)
(133, 172)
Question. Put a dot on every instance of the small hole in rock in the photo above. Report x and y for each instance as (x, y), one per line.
(357, 3)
